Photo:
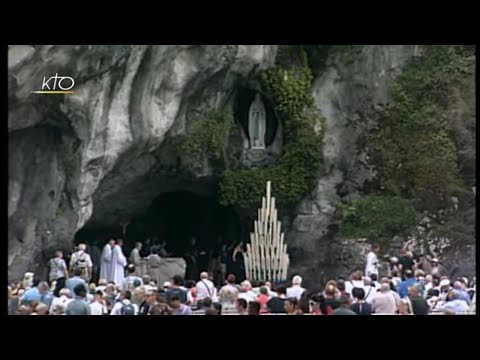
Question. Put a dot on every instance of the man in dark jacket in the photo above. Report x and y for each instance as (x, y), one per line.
(419, 304)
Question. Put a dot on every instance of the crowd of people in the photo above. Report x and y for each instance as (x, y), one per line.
(411, 287)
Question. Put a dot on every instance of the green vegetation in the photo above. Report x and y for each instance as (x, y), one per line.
(377, 217)
(302, 158)
(207, 138)
(412, 148)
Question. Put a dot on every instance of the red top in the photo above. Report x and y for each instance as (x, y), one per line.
(262, 300)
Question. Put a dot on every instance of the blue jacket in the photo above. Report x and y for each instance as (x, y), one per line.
(404, 285)
(74, 281)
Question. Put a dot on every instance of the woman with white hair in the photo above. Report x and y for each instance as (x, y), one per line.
(27, 280)
(58, 309)
(296, 290)
(246, 292)
(64, 299)
(405, 307)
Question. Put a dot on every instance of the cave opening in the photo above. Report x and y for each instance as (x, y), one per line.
(172, 220)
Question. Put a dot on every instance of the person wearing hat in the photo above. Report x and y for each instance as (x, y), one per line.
(444, 289)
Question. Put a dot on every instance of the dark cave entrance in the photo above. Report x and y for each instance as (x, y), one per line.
(172, 220)
(177, 217)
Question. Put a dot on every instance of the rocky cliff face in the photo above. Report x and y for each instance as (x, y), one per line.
(348, 95)
(93, 153)
(101, 155)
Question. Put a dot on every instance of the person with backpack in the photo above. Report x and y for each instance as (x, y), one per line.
(81, 260)
(124, 306)
(204, 289)
(360, 307)
(130, 281)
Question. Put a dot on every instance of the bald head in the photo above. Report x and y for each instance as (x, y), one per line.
(204, 275)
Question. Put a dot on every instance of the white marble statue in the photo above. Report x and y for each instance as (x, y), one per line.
(257, 123)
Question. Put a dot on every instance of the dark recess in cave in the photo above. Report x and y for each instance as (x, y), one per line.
(173, 218)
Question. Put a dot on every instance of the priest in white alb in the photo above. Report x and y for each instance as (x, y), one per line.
(372, 261)
(106, 262)
(119, 261)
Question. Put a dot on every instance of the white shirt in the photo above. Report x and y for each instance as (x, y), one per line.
(396, 281)
(372, 264)
(117, 308)
(228, 294)
(370, 293)
(148, 287)
(248, 296)
(97, 309)
(63, 300)
(272, 293)
(349, 285)
(295, 291)
(384, 303)
(81, 255)
(204, 289)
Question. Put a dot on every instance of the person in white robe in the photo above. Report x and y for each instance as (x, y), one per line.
(372, 261)
(119, 261)
(106, 262)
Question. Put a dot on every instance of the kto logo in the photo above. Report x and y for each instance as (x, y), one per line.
(59, 85)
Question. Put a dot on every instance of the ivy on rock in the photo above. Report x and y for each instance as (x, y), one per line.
(412, 147)
(302, 158)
